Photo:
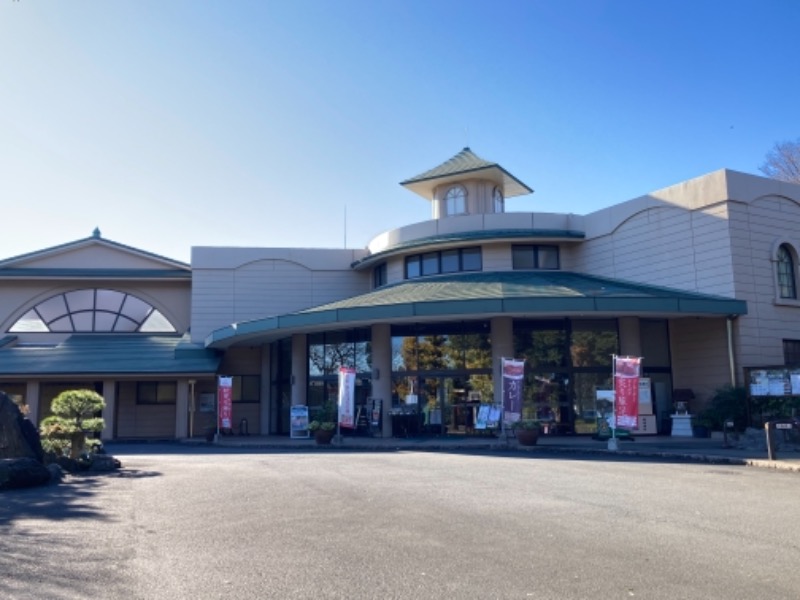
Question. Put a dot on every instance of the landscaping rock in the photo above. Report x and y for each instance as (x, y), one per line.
(18, 436)
(21, 473)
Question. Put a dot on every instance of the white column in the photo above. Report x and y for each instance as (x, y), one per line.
(382, 372)
(32, 400)
(110, 411)
(266, 391)
(502, 347)
(630, 340)
(182, 410)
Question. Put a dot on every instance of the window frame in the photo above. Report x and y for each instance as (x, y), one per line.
(455, 200)
(415, 263)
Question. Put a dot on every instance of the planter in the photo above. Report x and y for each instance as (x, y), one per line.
(324, 436)
(527, 437)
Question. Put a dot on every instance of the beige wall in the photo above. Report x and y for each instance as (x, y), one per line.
(233, 285)
(142, 420)
(700, 360)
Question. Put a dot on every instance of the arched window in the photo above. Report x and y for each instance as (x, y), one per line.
(498, 201)
(787, 286)
(456, 200)
(93, 310)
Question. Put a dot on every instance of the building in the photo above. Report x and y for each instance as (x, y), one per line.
(699, 279)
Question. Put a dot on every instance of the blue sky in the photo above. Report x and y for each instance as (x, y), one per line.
(170, 124)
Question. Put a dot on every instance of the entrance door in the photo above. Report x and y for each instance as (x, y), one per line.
(444, 406)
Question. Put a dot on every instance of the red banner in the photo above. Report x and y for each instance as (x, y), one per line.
(225, 402)
(626, 391)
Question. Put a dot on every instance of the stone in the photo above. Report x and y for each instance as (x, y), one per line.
(104, 462)
(21, 473)
(18, 436)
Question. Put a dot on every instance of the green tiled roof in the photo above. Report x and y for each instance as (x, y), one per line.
(482, 294)
(101, 354)
(467, 162)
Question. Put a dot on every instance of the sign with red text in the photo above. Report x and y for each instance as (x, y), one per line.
(626, 390)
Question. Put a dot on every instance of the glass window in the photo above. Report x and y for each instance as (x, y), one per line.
(593, 343)
(156, 392)
(93, 310)
(379, 276)
(791, 352)
(547, 257)
(543, 344)
(455, 200)
(471, 259)
(786, 273)
(246, 388)
(413, 267)
(430, 263)
(523, 257)
(450, 261)
(497, 200)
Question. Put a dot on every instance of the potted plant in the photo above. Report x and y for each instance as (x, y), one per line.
(702, 426)
(323, 431)
(527, 431)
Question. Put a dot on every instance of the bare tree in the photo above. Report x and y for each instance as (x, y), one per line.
(783, 162)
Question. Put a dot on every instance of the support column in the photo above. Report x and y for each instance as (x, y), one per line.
(265, 396)
(299, 369)
(502, 347)
(382, 373)
(110, 411)
(32, 400)
(630, 339)
(182, 410)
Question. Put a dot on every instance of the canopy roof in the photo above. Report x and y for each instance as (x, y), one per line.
(101, 354)
(531, 294)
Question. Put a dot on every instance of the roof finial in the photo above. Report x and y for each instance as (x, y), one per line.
(96, 232)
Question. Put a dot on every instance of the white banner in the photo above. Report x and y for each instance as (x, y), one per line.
(347, 388)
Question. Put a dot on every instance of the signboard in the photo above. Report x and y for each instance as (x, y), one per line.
(347, 386)
(298, 422)
(626, 391)
(513, 374)
(645, 397)
(225, 402)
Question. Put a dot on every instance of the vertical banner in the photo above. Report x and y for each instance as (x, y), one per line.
(347, 388)
(225, 402)
(626, 390)
(513, 374)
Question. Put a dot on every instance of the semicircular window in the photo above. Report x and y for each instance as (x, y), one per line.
(93, 310)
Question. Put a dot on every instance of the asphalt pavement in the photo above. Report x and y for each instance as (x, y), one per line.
(710, 450)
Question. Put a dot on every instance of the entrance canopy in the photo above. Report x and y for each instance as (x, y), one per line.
(98, 354)
(529, 294)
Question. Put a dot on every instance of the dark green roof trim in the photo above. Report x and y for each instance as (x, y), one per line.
(111, 354)
(469, 237)
(52, 273)
(489, 293)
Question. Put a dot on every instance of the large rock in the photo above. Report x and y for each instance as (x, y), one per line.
(21, 473)
(18, 436)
